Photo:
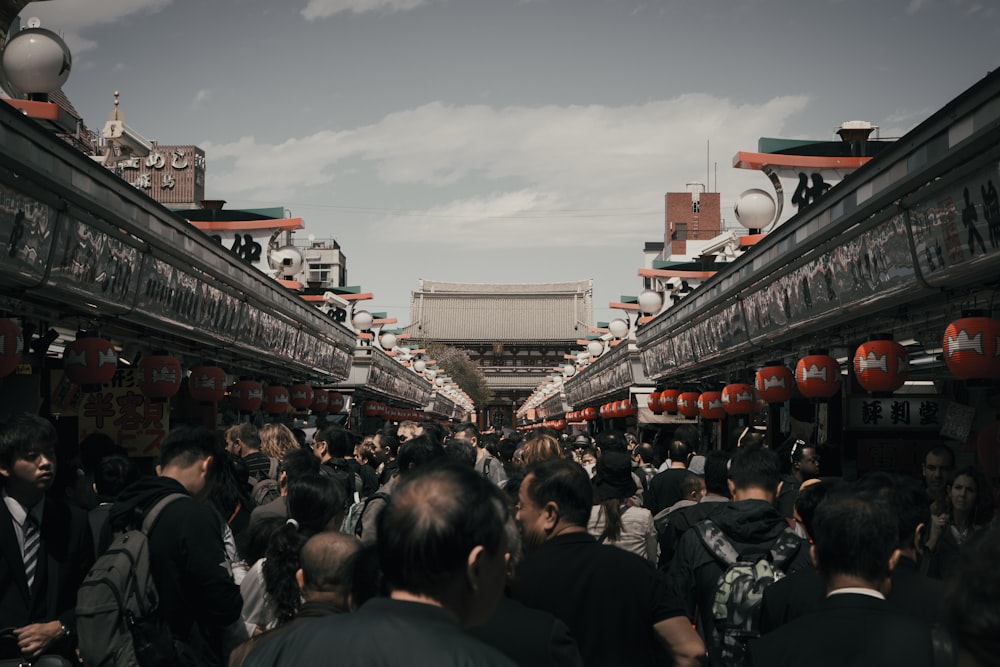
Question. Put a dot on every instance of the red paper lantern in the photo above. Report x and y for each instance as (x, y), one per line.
(275, 400)
(336, 402)
(972, 348)
(774, 383)
(247, 395)
(817, 376)
(710, 405)
(321, 399)
(159, 376)
(668, 400)
(207, 384)
(11, 346)
(590, 413)
(300, 396)
(371, 409)
(687, 403)
(738, 399)
(90, 361)
(560, 424)
(653, 403)
(881, 365)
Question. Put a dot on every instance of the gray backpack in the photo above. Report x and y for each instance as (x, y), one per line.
(117, 603)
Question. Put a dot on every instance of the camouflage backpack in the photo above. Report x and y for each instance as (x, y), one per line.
(740, 588)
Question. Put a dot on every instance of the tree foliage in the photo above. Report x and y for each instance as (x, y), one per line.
(460, 368)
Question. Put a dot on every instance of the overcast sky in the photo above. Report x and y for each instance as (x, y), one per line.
(506, 140)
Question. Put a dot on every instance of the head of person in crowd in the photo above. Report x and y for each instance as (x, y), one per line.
(680, 446)
(907, 502)
(588, 458)
(461, 451)
(970, 497)
(27, 457)
(810, 495)
(96, 446)
(467, 432)
(276, 440)
(332, 442)
(938, 463)
(750, 435)
(692, 487)
(555, 497)
(300, 436)
(611, 441)
(754, 473)
(804, 460)
(294, 465)
(540, 447)
(364, 452)
(432, 430)
(855, 538)
(191, 455)
(326, 569)
(386, 444)
(242, 439)
(419, 452)
(111, 475)
(407, 430)
(505, 450)
(644, 454)
(315, 504)
(717, 473)
(971, 601)
(442, 539)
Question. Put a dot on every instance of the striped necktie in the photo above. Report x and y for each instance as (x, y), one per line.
(32, 540)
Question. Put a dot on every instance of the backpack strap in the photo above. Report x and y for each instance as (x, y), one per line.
(272, 468)
(358, 527)
(716, 542)
(784, 547)
(154, 512)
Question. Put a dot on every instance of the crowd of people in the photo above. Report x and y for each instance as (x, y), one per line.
(423, 545)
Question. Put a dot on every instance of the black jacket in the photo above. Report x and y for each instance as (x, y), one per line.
(187, 559)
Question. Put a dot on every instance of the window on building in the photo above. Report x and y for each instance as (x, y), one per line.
(680, 232)
(695, 207)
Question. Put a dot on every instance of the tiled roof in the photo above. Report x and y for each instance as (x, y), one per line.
(502, 313)
(513, 381)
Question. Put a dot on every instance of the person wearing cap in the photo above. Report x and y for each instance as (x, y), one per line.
(615, 519)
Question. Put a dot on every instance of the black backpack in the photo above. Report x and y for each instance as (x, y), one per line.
(740, 589)
(117, 604)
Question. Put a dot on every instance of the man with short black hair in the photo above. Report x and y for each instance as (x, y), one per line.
(46, 546)
(752, 527)
(855, 553)
(187, 556)
(442, 550)
(243, 440)
(486, 465)
(665, 487)
(938, 463)
(570, 575)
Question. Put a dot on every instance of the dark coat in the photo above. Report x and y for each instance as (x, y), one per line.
(187, 560)
(847, 629)
(64, 558)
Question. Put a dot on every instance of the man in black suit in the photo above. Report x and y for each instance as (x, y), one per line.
(855, 553)
(46, 546)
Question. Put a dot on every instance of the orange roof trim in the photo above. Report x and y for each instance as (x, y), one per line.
(285, 224)
(746, 160)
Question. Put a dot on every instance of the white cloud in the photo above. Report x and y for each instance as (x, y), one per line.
(201, 97)
(319, 9)
(550, 172)
(70, 17)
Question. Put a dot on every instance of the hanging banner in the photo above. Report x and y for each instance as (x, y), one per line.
(120, 410)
